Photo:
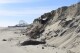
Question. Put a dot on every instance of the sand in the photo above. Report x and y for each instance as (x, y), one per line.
(11, 45)
(10, 39)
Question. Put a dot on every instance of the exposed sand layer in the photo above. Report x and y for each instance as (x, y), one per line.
(57, 31)
(13, 39)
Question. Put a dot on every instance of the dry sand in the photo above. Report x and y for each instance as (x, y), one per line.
(10, 39)
(13, 39)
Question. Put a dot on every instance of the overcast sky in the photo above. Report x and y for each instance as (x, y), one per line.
(12, 11)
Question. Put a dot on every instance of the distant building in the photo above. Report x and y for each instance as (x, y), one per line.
(21, 24)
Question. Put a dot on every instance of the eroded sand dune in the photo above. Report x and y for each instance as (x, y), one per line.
(57, 31)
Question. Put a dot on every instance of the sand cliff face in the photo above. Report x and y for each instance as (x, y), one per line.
(57, 31)
(59, 28)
